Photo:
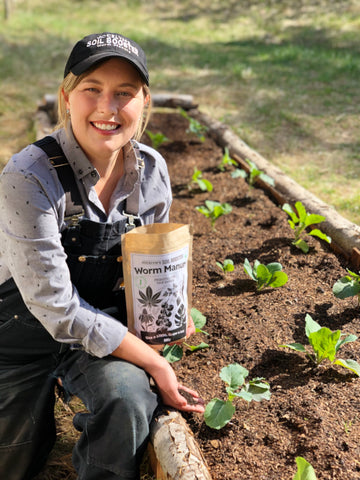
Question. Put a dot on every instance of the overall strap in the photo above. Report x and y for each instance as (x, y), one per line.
(132, 202)
(74, 207)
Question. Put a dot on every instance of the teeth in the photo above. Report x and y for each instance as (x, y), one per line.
(105, 126)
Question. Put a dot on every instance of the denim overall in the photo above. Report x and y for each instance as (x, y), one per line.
(116, 394)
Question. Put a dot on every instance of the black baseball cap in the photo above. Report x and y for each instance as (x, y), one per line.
(98, 46)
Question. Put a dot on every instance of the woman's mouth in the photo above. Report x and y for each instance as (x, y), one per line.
(105, 127)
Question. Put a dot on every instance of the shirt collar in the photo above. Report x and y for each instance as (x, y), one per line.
(81, 164)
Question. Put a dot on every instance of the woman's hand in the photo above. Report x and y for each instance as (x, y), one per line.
(190, 327)
(174, 394)
(134, 350)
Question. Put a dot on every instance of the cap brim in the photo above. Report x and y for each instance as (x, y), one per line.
(81, 67)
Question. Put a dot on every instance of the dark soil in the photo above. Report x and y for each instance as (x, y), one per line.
(313, 412)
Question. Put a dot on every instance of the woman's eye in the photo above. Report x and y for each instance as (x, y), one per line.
(123, 94)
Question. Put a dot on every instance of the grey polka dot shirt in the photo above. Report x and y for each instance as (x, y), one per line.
(32, 209)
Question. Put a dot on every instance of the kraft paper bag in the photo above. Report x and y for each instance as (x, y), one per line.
(157, 265)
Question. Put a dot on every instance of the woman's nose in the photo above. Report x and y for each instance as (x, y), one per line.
(108, 103)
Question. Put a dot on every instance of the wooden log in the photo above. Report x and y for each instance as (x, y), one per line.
(42, 124)
(173, 100)
(173, 450)
(160, 100)
(345, 235)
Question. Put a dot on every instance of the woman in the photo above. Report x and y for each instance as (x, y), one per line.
(64, 203)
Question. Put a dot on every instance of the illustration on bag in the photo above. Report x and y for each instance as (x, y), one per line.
(160, 296)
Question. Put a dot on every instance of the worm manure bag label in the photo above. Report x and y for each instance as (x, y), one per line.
(157, 274)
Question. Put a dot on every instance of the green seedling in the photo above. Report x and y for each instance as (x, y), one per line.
(226, 160)
(174, 353)
(194, 126)
(348, 424)
(348, 286)
(213, 210)
(305, 470)
(270, 275)
(325, 345)
(219, 412)
(227, 266)
(300, 221)
(156, 139)
(199, 181)
(253, 175)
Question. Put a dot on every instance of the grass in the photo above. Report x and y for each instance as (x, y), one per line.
(284, 75)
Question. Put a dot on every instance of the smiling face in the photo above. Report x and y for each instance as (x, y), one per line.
(105, 108)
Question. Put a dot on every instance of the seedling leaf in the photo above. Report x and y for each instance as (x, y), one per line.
(324, 342)
(263, 276)
(312, 218)
(278, 279)
(234, 375)
(238, 172)
(347, 286)
(348, 339)
(350, 364)
(173, 353)
(257, 390)
(274, 267)
(249, 270)
(195, 348)
(199, 320)
(310, 325)
(287, 208)
(315, 232)
(267, 179)
(295, 346)
(218, 413)
(305, 470)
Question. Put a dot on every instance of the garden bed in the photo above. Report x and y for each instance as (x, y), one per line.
(312, 412)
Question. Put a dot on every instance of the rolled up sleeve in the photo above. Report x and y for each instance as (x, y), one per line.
(32, 251)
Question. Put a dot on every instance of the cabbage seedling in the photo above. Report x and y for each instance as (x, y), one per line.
(194, 126)
(226, 160)
(253, 175)
(227, 266)
(270, 275)
(347, 286)
(300, 222)
(174, 353)
(202, 183)
(213, 210)
(219, 412)
(157, 139)
(325, 345)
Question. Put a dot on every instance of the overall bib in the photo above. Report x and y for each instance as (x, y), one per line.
(116, 394)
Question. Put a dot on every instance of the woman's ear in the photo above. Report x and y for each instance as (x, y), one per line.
(66, 98)
(146, 100)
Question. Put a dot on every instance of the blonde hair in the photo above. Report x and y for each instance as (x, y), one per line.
(71, 81)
